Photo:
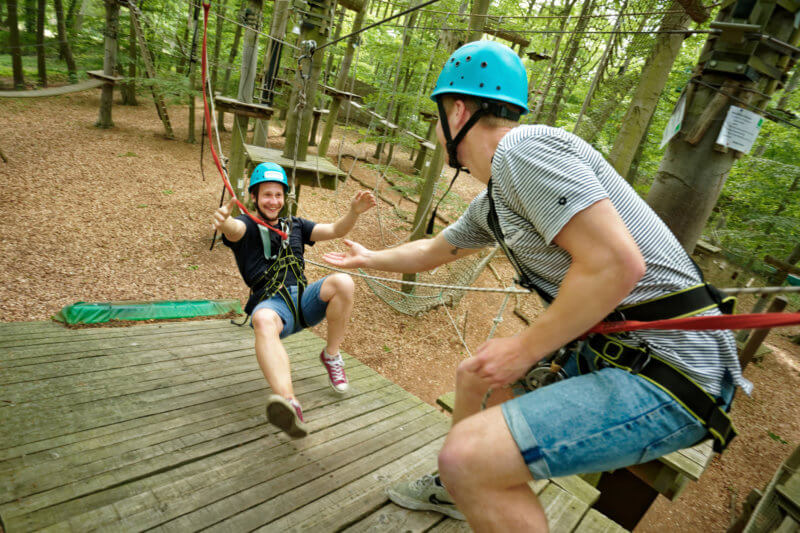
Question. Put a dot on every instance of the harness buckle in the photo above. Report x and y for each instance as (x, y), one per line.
(641, 359)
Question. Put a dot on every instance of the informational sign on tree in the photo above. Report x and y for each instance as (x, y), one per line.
(675, 121)
(740, 129)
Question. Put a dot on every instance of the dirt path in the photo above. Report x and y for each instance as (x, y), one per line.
(123, 214)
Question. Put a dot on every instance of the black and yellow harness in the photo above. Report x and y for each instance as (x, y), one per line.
(637, 358)
(272, 280)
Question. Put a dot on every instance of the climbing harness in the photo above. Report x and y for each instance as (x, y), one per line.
(638, 360)
(273, 280)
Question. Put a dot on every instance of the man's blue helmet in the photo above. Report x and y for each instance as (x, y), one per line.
(268, 172)
(485, 69)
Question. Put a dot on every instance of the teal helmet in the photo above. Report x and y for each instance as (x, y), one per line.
(268, 171)
(485, 69)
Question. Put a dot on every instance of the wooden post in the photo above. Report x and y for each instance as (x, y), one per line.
(784, 268)
(109, 64)
(758, 336)
(272, 60)
(314, 27)
(246, 85)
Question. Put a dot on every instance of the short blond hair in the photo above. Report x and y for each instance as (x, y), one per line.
(473, 105)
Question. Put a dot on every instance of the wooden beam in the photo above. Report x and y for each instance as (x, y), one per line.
(98, 74)
(248, 109)
(781, 265)
(696, 10)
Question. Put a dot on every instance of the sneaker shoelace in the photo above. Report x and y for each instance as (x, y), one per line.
(336, 367)
(297, 409)
(423, 483)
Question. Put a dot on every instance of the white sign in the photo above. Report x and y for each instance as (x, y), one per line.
(675, 121)
(740, 129)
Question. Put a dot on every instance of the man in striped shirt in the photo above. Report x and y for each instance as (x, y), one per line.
(578, 233)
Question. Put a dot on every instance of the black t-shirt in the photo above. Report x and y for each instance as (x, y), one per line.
(249, 250)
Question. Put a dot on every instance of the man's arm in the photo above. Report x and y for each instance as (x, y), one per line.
(361, 202)
(414, 256)
(232, 228)
(606, 265)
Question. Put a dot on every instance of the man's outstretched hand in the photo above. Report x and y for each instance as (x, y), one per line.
(356, 256)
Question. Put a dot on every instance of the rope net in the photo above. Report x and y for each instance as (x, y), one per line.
(417, 299)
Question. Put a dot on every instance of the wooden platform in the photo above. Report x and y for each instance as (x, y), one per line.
(308, 171)
(163, 426)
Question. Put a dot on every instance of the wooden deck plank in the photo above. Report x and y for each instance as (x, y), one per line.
(53, 332)
(596, 522)
(564, 511)
(578, 488)
(180, 490)
(451, 525)
(61, 500)
(394, 519)
(258, 506)
(78, 347)
(370, 488)
(93, 462)
(34, 424)
(195, 366)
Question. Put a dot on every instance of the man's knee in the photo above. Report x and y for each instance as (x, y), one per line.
(341, 285)
(456, 459)
(267, 321)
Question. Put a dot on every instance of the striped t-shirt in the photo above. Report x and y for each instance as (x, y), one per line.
(541, 178)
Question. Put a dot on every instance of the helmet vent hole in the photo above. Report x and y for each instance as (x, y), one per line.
(451, 83)
(469, 57)
(481, 85)
(458, 63)
(462, 77)
(483, 65)
(498, 87)
(452, 59)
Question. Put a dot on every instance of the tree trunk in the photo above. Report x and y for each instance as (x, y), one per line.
(645, 99)
(109, 63)
(30, 17)
(247, 77)
(183, 44)
(272, 62)
(692, 172)
(565, 14)
(73, 4)
(337, 32)
(13, 43)
(789, 89)
(192, 60)
(66, 51)
(41, 64)
(341, 80)
(129, 89)
(569, 60)
(477, 19)
(231, 58)
(218, 34)
(79, 17)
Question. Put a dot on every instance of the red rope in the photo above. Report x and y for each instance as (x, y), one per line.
(743, 321)
(207, 115)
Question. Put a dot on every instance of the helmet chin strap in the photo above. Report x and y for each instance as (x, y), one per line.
(451, 144)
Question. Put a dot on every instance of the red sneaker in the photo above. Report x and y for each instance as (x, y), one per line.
(335, 368)
(286, 414)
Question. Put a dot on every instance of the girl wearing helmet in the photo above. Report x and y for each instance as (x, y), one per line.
(281, 300)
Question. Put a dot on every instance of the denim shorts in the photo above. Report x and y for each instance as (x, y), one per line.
(598, 422)
(312, 306)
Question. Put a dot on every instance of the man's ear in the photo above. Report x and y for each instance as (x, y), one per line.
(459, 114)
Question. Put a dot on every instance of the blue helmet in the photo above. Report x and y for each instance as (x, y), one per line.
(268, 171)
(485, 69)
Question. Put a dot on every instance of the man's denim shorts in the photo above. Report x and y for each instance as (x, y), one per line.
(598, 422)
(313, 308)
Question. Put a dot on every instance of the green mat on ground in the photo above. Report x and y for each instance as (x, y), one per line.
(97, 312)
